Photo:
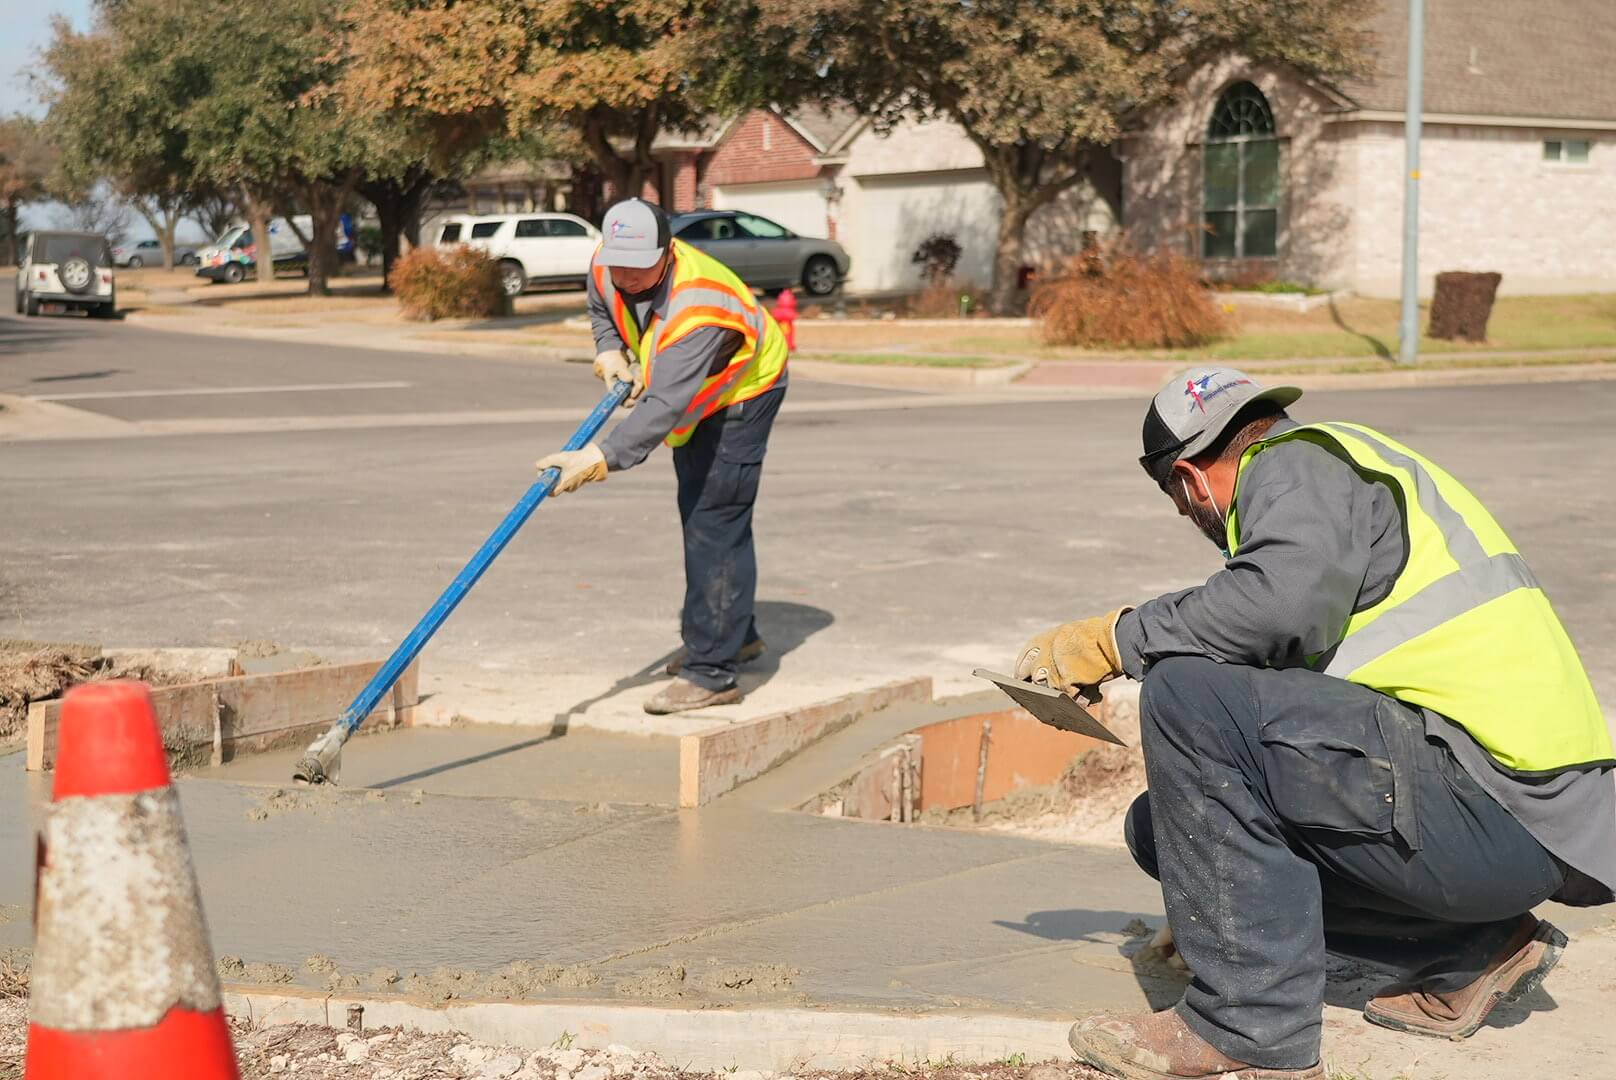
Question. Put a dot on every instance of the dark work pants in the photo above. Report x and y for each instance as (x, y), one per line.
(718, 471)
(1290, 812)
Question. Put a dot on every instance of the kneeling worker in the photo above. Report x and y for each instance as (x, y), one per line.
(708, 364)
(1367, 733)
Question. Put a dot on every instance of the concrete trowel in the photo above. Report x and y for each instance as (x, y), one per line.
(1052, 707)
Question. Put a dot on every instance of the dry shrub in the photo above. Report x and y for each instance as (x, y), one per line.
(941, 300)
(447, 283)
(1121, 298)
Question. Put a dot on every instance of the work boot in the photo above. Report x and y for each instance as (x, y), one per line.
(1520, 967)
(682, 695)
(1161, 1046)
(749, 652)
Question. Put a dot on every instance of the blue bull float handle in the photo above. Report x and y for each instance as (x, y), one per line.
(316, 766)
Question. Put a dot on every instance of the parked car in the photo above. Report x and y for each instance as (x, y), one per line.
(765, 255)
(532, 249)
(150, 253)
(65, 271)
(234, 254)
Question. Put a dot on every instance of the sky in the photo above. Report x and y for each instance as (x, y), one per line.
(25, 27)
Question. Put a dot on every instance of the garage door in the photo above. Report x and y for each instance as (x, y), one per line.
(887, 218)
(799, 206)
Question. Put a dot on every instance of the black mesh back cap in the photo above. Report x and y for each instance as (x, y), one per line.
(1161, 447)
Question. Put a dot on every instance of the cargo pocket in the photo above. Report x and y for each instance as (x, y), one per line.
(1331, 772)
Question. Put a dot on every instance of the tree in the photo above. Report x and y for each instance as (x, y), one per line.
(27, 159)
(1043, 86)
(96, 209)
(611, 73)
(113, 93)
(214, 208)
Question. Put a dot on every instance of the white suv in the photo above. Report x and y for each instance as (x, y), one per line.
(61, 271)
(532, 249)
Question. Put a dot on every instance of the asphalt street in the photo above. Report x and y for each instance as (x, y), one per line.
(893, 540)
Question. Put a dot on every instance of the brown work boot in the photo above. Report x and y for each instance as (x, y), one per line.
(682, 695)
(1160, 1046)
(749, 652)
(1519, 968)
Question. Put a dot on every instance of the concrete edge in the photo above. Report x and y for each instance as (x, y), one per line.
(771, 1038)
(901, 376)
(721, 758)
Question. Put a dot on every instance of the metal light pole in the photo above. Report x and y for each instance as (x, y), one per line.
(1408, 332)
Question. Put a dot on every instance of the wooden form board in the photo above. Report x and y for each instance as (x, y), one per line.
(719, 759)
(216, 719)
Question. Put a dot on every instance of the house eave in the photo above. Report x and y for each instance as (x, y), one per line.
(1364, 116)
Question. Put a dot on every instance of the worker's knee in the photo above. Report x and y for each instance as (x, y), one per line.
(1174, 696)
(1139, 831)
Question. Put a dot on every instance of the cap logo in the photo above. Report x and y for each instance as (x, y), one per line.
(1202, 391)
(619, 232)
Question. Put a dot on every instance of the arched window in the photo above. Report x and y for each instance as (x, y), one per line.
(1240, 194)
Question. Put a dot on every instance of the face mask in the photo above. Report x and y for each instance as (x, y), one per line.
(1214, 526)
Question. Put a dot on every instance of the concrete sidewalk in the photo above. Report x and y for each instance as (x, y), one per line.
(575, 908)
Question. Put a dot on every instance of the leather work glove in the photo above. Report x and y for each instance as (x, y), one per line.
(1074, 655)
(578, 467)
(612, 365)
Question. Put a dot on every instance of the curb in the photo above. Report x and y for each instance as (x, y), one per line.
(719, 759)
(901, 376)
(773, 1039)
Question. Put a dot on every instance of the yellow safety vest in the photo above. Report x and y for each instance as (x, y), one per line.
(704, 292)
(1465, 631)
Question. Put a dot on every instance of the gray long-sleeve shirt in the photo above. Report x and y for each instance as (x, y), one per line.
(678, 373)
(1318, 542)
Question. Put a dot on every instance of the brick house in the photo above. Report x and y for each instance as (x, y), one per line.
(1259, 172)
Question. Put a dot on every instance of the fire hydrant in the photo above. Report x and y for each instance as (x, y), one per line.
(785, 313)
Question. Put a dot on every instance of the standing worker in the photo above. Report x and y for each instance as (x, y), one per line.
(1367, 733)
(708, 367)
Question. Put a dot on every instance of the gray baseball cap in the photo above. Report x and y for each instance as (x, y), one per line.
(635, 234)
(1188, 414)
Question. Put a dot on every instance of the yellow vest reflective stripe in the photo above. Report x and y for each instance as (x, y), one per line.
(1466, 630)
(704, 292)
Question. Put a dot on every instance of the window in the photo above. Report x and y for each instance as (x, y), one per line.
(1566, 151)
(762, 228)
(529, 228)
(1241, 185)
(482, 230)
(714, 228)
(563, 227)
(450, 233)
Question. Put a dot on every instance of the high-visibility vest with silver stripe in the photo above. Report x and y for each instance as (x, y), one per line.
(1465, 631)
(704, 292)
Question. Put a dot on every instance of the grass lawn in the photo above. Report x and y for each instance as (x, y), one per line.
(1353, 327)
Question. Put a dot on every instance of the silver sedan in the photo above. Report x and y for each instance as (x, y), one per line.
(764, 254)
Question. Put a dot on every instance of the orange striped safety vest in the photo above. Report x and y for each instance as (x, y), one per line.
(705, 292)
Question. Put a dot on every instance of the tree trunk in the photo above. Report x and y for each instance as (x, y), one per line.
(171, 224)
(15, 246)
(1007, 256)
(398, 211)
(325, 212)
(258, 217)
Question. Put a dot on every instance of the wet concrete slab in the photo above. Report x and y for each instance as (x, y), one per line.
(492, 761)
(829, 911)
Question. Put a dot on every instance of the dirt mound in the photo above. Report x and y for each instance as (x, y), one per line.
(38, 673)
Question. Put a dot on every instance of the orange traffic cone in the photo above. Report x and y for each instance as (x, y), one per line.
(123, 979)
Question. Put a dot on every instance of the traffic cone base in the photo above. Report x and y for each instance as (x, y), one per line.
(184, 1044)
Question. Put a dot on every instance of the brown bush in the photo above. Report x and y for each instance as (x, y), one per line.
(447, 283)
(1127, 300)
(941, 300)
